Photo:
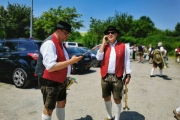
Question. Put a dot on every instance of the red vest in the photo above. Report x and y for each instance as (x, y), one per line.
(59, 75)
(178, 49)
(120, 55)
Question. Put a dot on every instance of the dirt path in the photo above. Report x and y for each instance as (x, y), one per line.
(149, 98)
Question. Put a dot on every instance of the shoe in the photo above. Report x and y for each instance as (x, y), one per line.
(109, 119)
(139, 61)
(177, 115)
(152, 76)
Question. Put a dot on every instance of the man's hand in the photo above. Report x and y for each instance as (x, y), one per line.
(104, 41)
(75, 59)
(127, 80)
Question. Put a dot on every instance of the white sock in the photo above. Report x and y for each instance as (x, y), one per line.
(152, 71)
(178, 110)
(45, 117)
(60, 113)
(108, 105)
(117, 110)
(160, 72)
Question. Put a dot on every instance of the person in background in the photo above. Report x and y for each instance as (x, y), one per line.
(157, 61)
(150, 49)
(177, 113)
(134, 48)
(53, 69)
(115, 61)
(140, 53)
(177, 52)
(165, 55)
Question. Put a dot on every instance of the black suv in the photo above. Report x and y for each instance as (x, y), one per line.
(18, 58)
(84, 63)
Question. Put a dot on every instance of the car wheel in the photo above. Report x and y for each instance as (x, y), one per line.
(95, 63)
(73, 69)
(19, 77)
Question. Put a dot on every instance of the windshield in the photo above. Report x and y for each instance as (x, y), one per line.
(75, 50)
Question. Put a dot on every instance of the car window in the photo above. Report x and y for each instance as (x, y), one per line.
(9, 47)
(26, 47)
(73, 44)
(75, 50)
(38, 45)
(80, 45)
(1, 46)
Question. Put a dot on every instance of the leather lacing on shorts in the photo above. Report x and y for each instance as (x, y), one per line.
(112, 78)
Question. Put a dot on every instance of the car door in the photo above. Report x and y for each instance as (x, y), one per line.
(6, 61)
(1, 57)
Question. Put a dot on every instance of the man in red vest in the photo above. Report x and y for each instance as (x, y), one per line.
(115, 62)
(177, 52)
(53, 68)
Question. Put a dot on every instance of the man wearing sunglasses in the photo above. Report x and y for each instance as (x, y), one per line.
(115, 61)
(53, 69)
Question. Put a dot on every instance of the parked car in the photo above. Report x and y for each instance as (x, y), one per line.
(95, 62)
(73, 44)
(18, 58)
(83, 64)
(93, 52)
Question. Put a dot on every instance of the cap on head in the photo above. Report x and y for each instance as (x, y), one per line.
(64, 25)
(111, 28)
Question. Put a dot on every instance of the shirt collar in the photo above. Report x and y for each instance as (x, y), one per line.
(112, 45)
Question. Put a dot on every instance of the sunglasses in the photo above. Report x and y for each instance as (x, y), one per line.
(110, 32)
(66, 34)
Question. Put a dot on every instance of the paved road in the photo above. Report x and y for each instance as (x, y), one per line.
(149, 98)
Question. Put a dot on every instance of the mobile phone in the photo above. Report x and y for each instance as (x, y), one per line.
(106, 38)
(85, 53)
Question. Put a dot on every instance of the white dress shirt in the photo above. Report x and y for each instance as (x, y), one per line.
(48, 51)
(112, 59)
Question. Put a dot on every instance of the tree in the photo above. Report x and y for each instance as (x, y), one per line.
(177, 29)
(2, 22)
(147, 19)
(16, 20)
(123, 21)
(90, 39)
(96, 28)
(45, 24)
(142, 28)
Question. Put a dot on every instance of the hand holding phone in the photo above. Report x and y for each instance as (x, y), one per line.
(105, 39)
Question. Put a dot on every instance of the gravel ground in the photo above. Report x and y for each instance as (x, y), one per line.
(148, 98)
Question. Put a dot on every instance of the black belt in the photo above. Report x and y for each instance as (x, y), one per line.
(110, 73)
(49, 83)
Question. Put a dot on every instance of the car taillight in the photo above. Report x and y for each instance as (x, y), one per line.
(33, 55)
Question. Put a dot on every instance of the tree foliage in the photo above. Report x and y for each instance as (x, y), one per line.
(177, 29)
(15, 20)
(45, 24)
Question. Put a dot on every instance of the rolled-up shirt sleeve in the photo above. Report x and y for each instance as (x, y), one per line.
(48, 51)
(99, 56)
(127, 65)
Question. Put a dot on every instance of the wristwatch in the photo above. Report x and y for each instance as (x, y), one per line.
(128, 75)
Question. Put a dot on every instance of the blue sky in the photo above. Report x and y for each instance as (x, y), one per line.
(164, 13)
